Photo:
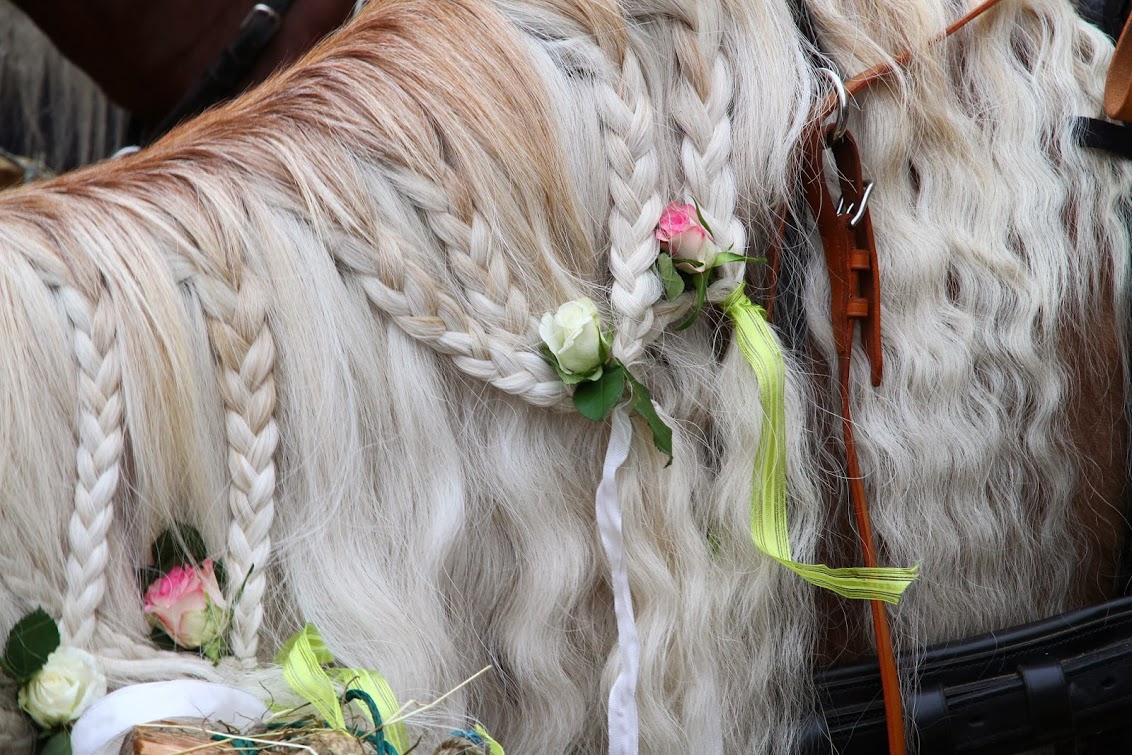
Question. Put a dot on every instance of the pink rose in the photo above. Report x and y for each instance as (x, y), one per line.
(685, 239)
(188, 605)
(677, 219)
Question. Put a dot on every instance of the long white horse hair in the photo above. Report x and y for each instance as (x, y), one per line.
(304, 323)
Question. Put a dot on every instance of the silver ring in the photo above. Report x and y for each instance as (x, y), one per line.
(842, 115)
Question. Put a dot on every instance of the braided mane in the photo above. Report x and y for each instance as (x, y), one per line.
(306, 324)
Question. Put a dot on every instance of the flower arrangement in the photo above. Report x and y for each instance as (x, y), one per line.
(689, 254)
(184, 597)
(57, 682)
(582, 355)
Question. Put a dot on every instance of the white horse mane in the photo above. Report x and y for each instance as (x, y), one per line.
(303, 323)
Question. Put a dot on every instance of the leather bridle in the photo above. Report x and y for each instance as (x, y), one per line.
(1064, 677)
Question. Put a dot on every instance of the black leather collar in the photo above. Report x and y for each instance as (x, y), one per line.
(221, 80)
(1056, 680)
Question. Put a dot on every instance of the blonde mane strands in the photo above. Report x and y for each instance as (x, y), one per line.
(306, 324)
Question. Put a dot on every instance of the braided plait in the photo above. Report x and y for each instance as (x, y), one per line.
(701, 109)
(429, 313)
(471, 250)
(98, 458)
(245, 350)
(634, 174)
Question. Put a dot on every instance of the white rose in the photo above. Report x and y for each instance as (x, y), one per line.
(573, 335)
(65, 687)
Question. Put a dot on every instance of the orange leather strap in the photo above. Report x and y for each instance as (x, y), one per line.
(863, 80)
(845, 227)
(846, 231)
(1118, 84)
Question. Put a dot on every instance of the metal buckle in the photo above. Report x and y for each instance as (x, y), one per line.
(857, 208)
(265, 10)
(841, 117)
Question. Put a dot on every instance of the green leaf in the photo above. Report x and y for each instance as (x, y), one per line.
(179, 545)
(701, 282)
(673, 284)
(596, 399)
(570, 378)
(221, 573)
(32, 639)
(722, 258)
(57, 744)
(214, 650)
(702, 219)
(661, 433)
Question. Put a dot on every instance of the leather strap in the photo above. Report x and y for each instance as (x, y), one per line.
(1118, 84)
(1047, 696)
(933, 721)
(846, 232)
(1007, 691)
(220, 81)
(1114, 138)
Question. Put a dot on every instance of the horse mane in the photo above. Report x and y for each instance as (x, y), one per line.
(306, 324)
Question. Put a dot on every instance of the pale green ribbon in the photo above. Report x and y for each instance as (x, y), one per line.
(493, 747)
(304, 658)
(768, 494)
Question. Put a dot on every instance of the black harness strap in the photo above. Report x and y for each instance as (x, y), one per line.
(1003, 692)
(1094, 133)
(222, 79)
(1114, 138)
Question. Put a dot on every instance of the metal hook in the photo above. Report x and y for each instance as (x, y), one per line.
(858, 208)
(842, 115)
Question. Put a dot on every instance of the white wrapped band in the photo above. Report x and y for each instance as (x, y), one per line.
(623, 724)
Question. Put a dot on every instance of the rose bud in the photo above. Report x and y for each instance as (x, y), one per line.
(187, 604)
(686, 240)
(573, 335)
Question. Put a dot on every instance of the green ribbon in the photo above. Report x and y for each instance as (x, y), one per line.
(304, 658)
(493, 747)
(768, 493)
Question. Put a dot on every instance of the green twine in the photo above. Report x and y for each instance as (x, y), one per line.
(377, 738)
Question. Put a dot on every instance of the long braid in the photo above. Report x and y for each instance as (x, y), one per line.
(634, 180)
(98, 458)
(701, 109)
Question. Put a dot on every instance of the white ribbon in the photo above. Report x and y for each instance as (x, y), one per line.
(105, 725)
(623, 725)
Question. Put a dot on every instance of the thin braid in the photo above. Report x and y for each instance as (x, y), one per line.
(429, 313)
(702, 111)
(245, 349)
(98, 458)
(634, 175)
(471, 251)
